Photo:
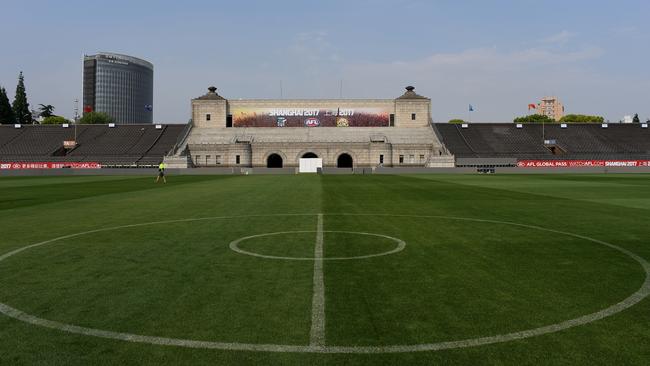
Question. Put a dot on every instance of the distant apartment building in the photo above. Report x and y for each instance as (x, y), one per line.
(551, 107)
(119, 85)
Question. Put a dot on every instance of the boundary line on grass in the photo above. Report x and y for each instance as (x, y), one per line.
(642, 293)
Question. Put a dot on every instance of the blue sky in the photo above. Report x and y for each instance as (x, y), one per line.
(497, 55)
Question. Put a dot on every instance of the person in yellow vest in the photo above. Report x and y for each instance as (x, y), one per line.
(161, 172)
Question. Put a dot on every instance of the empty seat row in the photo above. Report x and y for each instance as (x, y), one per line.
(119, 145)
(576, 141)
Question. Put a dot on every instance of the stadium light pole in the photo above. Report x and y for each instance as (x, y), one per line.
(76, 119)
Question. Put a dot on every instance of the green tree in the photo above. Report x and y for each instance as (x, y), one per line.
(20, 105)
(55, 120)
(534, 118)
(6, 113)
(636, 118)
(456, 121)
(46, 110)
(96, 118)
(581, 118)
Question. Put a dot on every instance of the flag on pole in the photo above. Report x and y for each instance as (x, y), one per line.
(471, 108)
(532, 106)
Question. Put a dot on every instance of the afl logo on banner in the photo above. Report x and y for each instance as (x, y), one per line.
(312, 122)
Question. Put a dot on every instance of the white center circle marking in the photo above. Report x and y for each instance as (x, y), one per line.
(633, 299)
(234, 245)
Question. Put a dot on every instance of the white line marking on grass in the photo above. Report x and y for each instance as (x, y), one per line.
(642, 293)
(234, 245)
(317, 333)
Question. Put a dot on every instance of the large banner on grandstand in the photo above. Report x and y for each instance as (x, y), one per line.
(581, 163)
(310, 117)
(49, 165)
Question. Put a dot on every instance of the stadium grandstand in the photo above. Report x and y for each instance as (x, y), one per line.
(109, 145)
(505, 144)
(477, 144)
(346, 133)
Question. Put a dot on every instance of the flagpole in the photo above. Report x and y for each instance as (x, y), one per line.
(469, 113)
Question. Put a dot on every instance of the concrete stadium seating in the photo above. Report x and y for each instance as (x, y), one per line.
(122, 145)
(584, 141)
(144, 145)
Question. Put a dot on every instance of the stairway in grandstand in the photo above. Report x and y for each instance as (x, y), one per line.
(122, 145)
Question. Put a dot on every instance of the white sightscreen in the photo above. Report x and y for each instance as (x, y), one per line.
(310, 165)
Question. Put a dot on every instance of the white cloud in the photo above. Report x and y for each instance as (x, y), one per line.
(492, 59)
(313, 47)
(499, 83)
(559, 38)
(314, 36)
(625, 30)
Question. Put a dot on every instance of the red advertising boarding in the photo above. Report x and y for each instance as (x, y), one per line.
(48, 165)
(581, 163)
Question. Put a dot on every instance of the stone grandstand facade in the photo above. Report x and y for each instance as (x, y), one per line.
(344, 133)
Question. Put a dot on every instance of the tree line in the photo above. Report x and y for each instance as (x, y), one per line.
(18, 111)
(569, 118)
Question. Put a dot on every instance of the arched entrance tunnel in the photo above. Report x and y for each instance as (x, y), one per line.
(344, 161)
(274, 161)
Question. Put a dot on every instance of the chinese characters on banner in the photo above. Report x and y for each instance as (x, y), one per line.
(48, 165)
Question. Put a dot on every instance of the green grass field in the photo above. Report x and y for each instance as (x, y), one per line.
(486, 259)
